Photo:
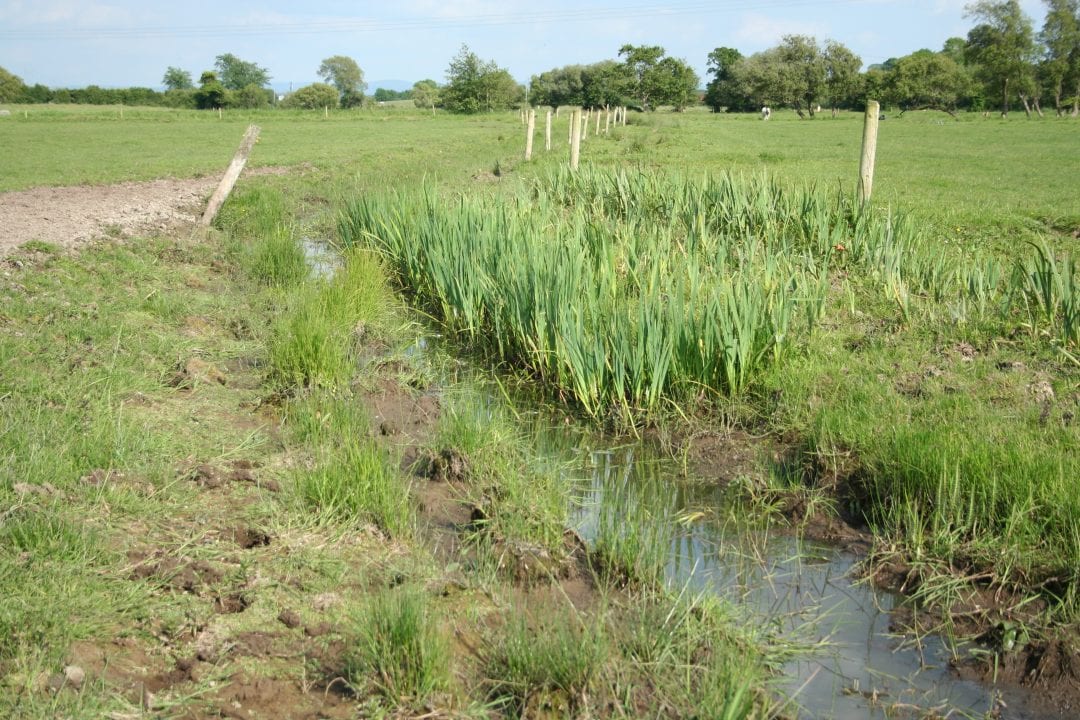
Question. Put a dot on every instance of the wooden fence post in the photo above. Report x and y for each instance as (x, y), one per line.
(232, 173)
(575, 139)
(597, 130)
(585, 124)
(531, 129)
(547, 132)
(869, 150)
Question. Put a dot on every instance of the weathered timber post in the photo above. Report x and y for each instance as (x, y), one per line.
(624, 116)
(570, 130)
(531, 129)
(597, 131)
(585, 124)
(575, 139)
(607, 121)
(547, 132)
(232, 173)
(869, 150)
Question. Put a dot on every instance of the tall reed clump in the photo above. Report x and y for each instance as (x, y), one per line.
(1049, 291)
(313, 341)
(622, 311)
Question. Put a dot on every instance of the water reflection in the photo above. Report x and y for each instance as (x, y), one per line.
(804, 591)
(321, 257)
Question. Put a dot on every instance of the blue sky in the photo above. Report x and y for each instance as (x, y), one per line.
(73, 43)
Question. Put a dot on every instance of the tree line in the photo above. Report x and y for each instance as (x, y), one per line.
(1002, 61)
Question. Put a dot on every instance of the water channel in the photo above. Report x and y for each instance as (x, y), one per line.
(860, 668)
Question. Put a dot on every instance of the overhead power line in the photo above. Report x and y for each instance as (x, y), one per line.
(365, 25)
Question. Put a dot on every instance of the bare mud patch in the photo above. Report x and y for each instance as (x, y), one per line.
(70, 217)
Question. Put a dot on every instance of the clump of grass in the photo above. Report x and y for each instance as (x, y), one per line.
(523, 498)
(252, 211)
(323, 416)
(261, 238)
(556, 654)
(313, 342)
(697, 654)
(633, 540)
(358, 482)
(1050, 291)
(277, 258)
(399, 649)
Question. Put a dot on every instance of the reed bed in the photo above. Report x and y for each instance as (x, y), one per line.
(629, 289)
(620, 312)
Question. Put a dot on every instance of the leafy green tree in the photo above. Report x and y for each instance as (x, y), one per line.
(639, 62)
(312, 97)
(928, 80)
(795, 74)
(426, 94)
(603, 84)
(236, 74)
(674, 83)
(211, 93)
(344, 74)
(954, 49)
(808, 76)
(387, 95)
(1060, 67)
(723, 92)
(12, 87)
(252, 97)
(560, 86)
(597, 85)
(653, 79)
(38, 93)
(1002, 45)
(177, 79)
(474, 85)
(842, 78)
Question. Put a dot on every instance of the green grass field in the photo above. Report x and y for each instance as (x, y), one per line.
(163, 403)
(978, 181)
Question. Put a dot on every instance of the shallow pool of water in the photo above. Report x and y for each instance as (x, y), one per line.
(806, 591)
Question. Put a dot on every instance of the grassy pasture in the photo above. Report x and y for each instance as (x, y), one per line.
(958, 433)
(975, 182)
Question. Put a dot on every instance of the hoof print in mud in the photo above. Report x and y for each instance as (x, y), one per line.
(248, 538)
(195, 371)
(448, 465)
(232, 603)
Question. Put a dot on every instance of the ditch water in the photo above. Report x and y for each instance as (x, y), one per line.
(854, 666)
(321, 257)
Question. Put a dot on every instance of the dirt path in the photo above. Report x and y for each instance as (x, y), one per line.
(71, 216)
